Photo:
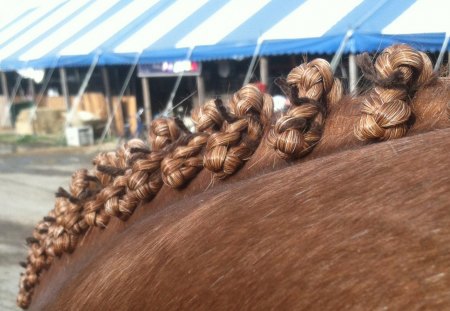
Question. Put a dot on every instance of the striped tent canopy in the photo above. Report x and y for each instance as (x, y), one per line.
(50, 33)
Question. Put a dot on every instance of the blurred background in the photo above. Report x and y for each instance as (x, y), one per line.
(79, 76)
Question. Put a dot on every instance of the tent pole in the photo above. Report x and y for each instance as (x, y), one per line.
(248, 75)
(119, 99)
(81, 91)
(338, 55)
(5, 85)
(64, 87)
(169, 107)
(108, 98)
(5, 93)
(441, 53)
(264, 70)
(147, 101)
(31, 89)
(40, 96)
(11, 98)
(200, 89)
(353, 73)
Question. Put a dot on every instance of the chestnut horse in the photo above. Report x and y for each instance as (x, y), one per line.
(338, 202)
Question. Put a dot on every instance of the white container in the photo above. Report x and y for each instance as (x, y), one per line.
(79, 136)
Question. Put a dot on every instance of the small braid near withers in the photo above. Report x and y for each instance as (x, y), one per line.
(309, 87)
(397, 74)
(227, 135)
(93, 199)
(249, 113)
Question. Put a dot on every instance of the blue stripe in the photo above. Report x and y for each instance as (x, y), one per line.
(385, 15)
(185, 27)
(262, 21)
(134, 26)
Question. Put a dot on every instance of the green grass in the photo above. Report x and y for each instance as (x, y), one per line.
(33, 140)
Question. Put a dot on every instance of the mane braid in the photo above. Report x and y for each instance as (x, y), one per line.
(225, 150)
(184, 162)
(397, 74)
(309, 88)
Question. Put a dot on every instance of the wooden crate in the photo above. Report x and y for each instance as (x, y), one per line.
(125, 112)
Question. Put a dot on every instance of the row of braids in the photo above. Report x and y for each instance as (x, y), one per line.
(227, 135)
(399, 71)
(134, 177)
(56, 233)
(309, 87)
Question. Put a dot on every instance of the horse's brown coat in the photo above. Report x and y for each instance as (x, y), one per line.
(367, 228)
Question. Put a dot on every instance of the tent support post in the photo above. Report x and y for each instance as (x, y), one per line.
(200, 89)
(353, 73)
(81, 91)
(119, 99)
(40, 97)
(5, 85)
(108, 98)
(147, 101)
(6, 117)
(441, 53)
(64, 87)
(264, 70)
(5, 110)
(31, 89)
(248, 75)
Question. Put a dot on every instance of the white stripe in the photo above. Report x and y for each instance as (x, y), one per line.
(159, 26)
(20, 25)
(222, 22)
(41, 27)
(424, 16)
(11, 10)
(108, 28)
(67, 30)
(312, 19)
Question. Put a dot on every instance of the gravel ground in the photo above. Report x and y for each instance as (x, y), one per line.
(28, 182)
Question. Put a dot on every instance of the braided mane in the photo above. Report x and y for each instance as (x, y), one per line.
(235, 140)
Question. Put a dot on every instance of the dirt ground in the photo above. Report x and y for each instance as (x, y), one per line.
(28, 182)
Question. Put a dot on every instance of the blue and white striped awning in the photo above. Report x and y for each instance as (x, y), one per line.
(54, 33)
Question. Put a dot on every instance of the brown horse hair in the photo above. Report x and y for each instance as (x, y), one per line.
(309, 88)
(228, 149)
(136, 171)
(399, 71)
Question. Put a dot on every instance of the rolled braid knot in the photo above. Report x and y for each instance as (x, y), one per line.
(310, 87)
(105, 159)
(209, 117)
(163, 132)
(132, 151)
(144, 179)
(397, 73)
(82, 188)
(227, 151)
(183, 164)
